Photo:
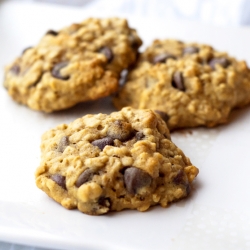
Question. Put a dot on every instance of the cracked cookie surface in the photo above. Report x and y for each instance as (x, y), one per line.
(193, 84)
(78, 63)
(125, 160)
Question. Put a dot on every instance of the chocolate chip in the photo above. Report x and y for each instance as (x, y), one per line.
(101, 143)
(179, 178)
(26, 49)
(64, 142)
(107, 52)
(135, 178)
(120, 130)
(163, 115)
(15, 69)
(162, 58)
(134, 41)
(139, 136)
(162, 175)
(85, 176)
(56, 71)
(59, 180)
(52, 33)
(178, 81)
(190, 50)
(224, 62)
(105, 202)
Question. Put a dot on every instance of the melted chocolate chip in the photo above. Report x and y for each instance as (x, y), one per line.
(224, 62)
(178, 81)
(108, 53)
(135, 178)
(162, 58)
(15, 69)
(59, 180)
(64, 142)
(190, 50)
(84, 177)
(52, 33)
(163, 115)
(56, 71)
(101, 143)
(120, 130)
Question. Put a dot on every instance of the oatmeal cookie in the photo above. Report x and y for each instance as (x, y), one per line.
(193, 84)
(125, 160)
(78, 63)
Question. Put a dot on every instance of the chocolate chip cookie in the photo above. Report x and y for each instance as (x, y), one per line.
(78, 63)
(192, 84)
(125, 160)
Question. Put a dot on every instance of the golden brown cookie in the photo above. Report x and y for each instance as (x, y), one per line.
(193, 84)
(78, 63)
(125, 160)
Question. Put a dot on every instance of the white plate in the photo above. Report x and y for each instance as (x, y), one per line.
(216, 216)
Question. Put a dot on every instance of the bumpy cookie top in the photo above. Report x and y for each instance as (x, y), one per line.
(78, 63)
(101, 163)
(193, 84)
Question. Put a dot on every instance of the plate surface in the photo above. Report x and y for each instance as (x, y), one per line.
(216, 216)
